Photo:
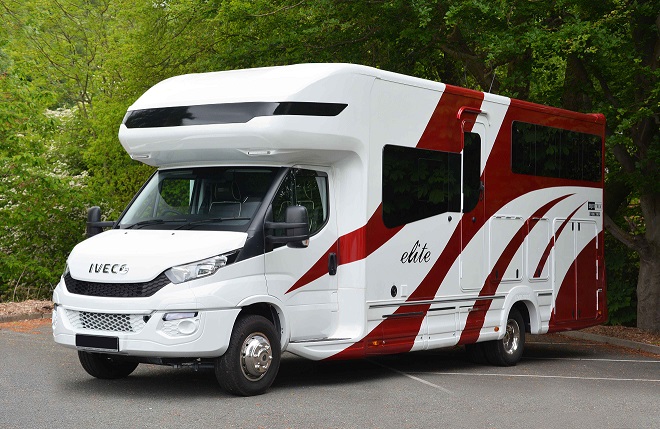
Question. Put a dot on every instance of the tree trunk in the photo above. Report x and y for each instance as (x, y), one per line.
(648, 295)
(648, 283)
(647, 245)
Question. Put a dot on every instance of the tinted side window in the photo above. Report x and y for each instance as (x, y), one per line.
(306, 188)
(552, 152)
(419, 183)
(471, 171)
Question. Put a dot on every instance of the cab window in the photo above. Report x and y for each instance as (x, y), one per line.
(306, 188)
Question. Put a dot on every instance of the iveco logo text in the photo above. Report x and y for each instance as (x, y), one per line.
(108, 268)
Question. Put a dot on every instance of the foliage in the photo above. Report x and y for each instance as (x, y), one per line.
(92, 58)
(40, 201)
(621, 272)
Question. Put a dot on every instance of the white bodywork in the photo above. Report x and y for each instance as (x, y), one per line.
(396, 289)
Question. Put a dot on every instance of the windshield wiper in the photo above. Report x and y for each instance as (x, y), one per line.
(153, 222)
(208, 220)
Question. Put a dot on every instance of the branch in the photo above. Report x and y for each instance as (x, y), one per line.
(348, 42)
(635, 243)
(607, 92)
(624, 158)
(283, 8)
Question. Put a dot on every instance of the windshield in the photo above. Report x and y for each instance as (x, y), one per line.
(208, 198)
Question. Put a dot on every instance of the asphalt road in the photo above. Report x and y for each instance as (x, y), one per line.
(560, 383)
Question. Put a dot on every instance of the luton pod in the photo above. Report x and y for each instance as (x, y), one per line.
(337, 211)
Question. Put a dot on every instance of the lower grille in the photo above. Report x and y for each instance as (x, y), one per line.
(111, 322)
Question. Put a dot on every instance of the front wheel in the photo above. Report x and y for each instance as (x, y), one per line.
(508, 350)
(105, 366)
(252, 360)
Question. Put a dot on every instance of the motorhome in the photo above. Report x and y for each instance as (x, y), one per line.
(337, 211)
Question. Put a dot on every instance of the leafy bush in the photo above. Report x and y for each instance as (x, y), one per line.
(621, 267)
(42, 215)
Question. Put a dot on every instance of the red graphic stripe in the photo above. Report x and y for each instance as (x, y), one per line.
(354, 246)
(443, 131)
(362, 242)
(397, 334)
(475, 320)
(546, 252)
(318, 270)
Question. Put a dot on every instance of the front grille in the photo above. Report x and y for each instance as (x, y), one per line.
(111, 322)
(116, 290)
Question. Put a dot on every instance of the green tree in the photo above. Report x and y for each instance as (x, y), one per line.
(575, 54)
(94, 57)
(582, 56)
(50, 79)
(40, 201)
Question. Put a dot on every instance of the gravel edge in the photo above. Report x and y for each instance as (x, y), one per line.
(19, 317)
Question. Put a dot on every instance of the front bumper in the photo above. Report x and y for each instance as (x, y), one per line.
(204, 335)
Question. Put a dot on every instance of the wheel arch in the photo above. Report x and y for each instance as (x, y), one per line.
(524, 300)
(523, 309)
(271, 310)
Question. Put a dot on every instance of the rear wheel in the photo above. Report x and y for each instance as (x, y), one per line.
(508, 350)
(252, 360)
(105, 366)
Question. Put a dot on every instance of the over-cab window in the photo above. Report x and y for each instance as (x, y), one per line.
(419, 183)
(306, 188)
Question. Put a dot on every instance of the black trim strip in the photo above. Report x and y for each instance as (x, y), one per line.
(400, 315)
(439, 301)
(441, 309)
(319, 340)
(225, 113)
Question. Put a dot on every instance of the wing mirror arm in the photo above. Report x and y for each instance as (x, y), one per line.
(94, 223)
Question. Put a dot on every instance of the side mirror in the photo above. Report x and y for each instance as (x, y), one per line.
(94, 223)
(295, 226)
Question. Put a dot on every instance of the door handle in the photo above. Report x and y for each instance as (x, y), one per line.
(332, 264)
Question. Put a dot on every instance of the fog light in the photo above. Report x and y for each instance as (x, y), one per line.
(187, 327)
(180, 315)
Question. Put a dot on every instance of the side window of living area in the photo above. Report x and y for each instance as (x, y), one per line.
(419, 183)
(539, 150)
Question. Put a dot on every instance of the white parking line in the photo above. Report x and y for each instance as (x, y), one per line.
(596, 359)
(412, 377)
(473, 374)
(566, 344)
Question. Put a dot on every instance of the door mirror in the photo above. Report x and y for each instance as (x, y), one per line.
(295, 227)
(94, 223)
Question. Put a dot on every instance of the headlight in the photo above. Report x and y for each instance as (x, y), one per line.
(66, 270)
(199, 269)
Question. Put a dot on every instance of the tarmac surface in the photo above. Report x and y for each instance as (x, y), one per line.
(560, 382)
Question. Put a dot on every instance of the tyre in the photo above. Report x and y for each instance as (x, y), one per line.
(508, 350)
(105, 366)
(252, 360)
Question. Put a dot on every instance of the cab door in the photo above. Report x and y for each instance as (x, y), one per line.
(304, 278)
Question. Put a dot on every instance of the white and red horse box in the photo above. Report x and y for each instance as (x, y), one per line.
(444, 211)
